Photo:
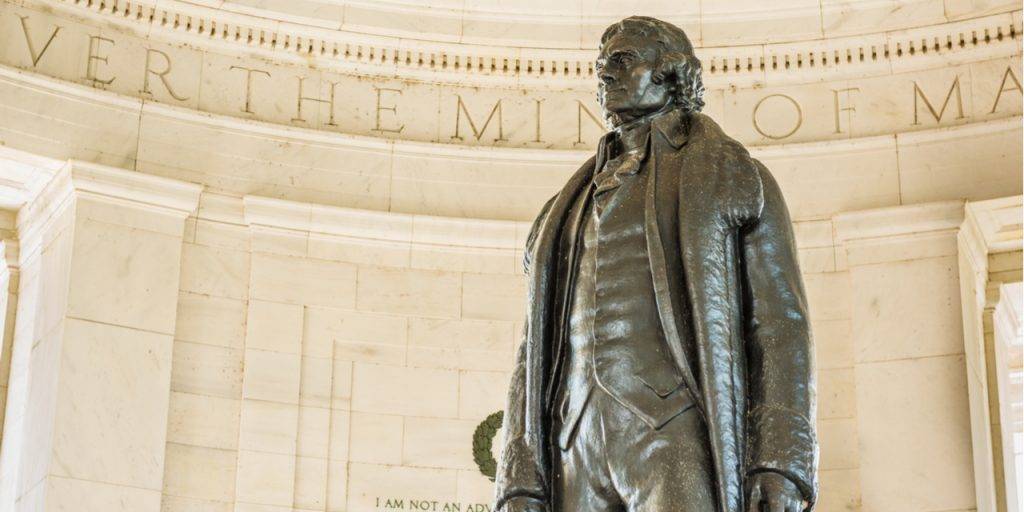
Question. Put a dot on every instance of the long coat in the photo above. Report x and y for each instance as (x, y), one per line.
(722, 250)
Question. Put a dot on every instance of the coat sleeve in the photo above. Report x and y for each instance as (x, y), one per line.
(519, 475)
(781, 428)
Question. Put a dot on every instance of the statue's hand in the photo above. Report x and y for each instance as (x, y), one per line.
(523, 505)
(772, 492)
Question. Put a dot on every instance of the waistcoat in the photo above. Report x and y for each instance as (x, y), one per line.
(613, 332)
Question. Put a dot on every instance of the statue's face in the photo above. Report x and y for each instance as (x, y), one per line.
(626, 69)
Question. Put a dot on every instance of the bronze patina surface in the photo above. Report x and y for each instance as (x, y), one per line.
(667, 363)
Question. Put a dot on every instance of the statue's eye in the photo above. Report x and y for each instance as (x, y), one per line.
(625, 59)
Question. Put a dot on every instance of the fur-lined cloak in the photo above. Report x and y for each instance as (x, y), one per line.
(721, 248)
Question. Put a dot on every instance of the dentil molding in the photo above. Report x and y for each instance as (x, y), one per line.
(455, 63)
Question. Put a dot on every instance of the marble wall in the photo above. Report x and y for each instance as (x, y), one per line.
(265, 256)
(778, 94)
(268, 355)
(91, 356)
(350, 356)
(60, 120)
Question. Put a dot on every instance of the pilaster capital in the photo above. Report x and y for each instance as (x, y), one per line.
(991, 227)
(899, 233)
(103, 184)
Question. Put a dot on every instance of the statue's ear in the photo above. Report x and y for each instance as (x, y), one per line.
(671, 66)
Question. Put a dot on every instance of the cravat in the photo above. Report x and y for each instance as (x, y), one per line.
(628, 163)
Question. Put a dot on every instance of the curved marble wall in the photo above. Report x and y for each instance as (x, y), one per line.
(301, 357)
(348, 290)
(884, 83)
(968, 161)
(579, 23)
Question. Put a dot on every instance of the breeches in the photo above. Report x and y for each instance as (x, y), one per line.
(618, 463)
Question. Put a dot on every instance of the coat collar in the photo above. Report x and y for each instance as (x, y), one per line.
(672, 127)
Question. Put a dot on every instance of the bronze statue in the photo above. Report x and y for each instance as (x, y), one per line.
(667, 363)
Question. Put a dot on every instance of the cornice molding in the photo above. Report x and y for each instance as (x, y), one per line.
(152, 192)
(107, 184)
(445, 62)
(898, 221)
(337, 15)
(23, 176)
(989, 227)
(995, 225)
(350, 223)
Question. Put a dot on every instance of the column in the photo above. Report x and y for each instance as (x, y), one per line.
(913, 418)
(990, 256)
(100, 259)
(8, 303)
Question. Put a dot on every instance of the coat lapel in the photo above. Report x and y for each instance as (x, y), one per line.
(696, 235)
(541, 296)
(659, 208)
(569, 247)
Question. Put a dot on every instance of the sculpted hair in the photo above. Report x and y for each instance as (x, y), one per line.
(676, 58)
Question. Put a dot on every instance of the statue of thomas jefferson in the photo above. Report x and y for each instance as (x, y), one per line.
(667, 362)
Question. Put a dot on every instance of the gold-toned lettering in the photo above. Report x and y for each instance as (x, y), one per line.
(919, 93)
(799, 117)
(460, 108)
(329, 102)
(92, 64)
(580, 109)
(31, 47)
(249, 83)
(1002, 87)
(840, 109)
(161, 74)
(385, 108)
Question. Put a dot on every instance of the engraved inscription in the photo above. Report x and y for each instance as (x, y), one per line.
(31, 47)
(919, 94)
(536, 119)
(150, 53)
(781, 135)
(846, 105)
(430, 505)
(1002, 87)
(94, 60)
(393, 108)
(249, 84)
(580, 110)
(461, 109)
(526, 117)
(329, 102)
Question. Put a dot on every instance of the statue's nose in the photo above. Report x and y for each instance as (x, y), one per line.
(606, 77)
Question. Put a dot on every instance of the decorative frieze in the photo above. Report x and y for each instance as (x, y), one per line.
(491, 58)
(777, 98)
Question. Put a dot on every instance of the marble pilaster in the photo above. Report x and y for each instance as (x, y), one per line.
(9, 274)
(909, 371)
(989, 243)
(99, 261)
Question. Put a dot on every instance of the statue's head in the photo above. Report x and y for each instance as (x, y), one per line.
(644, 65)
